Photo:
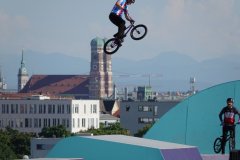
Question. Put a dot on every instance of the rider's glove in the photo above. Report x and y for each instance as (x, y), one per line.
(132, 21)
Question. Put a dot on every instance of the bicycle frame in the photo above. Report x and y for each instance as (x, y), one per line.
(136, 32)
(128, 29)
(229, 138)
(229, 135)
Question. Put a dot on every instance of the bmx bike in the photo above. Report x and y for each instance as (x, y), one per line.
(136, 33)
(217, 146)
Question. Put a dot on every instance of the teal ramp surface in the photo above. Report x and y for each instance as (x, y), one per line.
(195, 120)
(96, 149)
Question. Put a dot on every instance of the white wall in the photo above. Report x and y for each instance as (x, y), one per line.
(26, 115)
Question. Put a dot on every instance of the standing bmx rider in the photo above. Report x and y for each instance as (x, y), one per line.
(228, 125)
(120, 7)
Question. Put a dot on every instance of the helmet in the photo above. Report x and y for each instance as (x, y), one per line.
(230, 100)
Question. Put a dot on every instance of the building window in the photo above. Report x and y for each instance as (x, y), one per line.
(31, 109)
(85, 109)
(140, 108)
(64, 122)
(30, 122)
(44, 146)
(145, 120)
(76, 109)
(147, 109)
(83, 122)
(26, 123)
(67, 123)
(58, 121)
(3, 108)
(94, 108)
(35, 123)
(21, 123)
(16, 108)
(53, 109)
(63, 109)
(26, 109)
(44, 109)
(54, 122)
(59, 109)
(90, 122)
(35, 109)
(78, 122)
(21, 108)
(127, 108)
(144, 108)
(49, 109)
(45, 122)
(68, 109)
(40, 109)
(49, 122)
(7, 109)
(12, 109)
(73, 122)
(40, 147)
(40, 122)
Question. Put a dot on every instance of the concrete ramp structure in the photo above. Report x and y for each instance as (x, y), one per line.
(120, 147)
(195, 120)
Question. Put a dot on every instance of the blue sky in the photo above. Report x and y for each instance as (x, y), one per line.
(202, 29)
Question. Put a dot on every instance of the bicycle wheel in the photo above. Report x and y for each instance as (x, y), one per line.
(138, 32)
(231, 144)
(217, 147)
(111, 46)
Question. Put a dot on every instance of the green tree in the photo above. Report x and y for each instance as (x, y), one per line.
(18, 142)
(143, 131)
(21, 144)
(57, 131)
(111, 129)
(14, 144)
(6, 152)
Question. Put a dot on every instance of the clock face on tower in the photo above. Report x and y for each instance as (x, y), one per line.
(94, 67)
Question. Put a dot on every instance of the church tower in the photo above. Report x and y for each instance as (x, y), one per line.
(108, 73)
(3, 85)
(22, 75)
(100, 85)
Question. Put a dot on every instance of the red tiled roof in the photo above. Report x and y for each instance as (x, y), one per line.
(58, 84)
(14, 95)
(6, 95)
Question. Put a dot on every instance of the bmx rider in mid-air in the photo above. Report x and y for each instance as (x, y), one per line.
(120, 7)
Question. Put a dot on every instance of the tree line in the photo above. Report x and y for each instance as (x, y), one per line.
(15, 144)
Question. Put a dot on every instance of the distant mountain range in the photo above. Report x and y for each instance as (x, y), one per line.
(168, 71)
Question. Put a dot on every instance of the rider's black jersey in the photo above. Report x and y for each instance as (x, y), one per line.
(229, 115)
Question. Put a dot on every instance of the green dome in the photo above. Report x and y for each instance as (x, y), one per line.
(97, 41)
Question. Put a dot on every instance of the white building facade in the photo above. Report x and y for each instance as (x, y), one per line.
(31, 115)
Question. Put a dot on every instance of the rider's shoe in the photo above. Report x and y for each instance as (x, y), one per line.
(118, 36)
(118, 42)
